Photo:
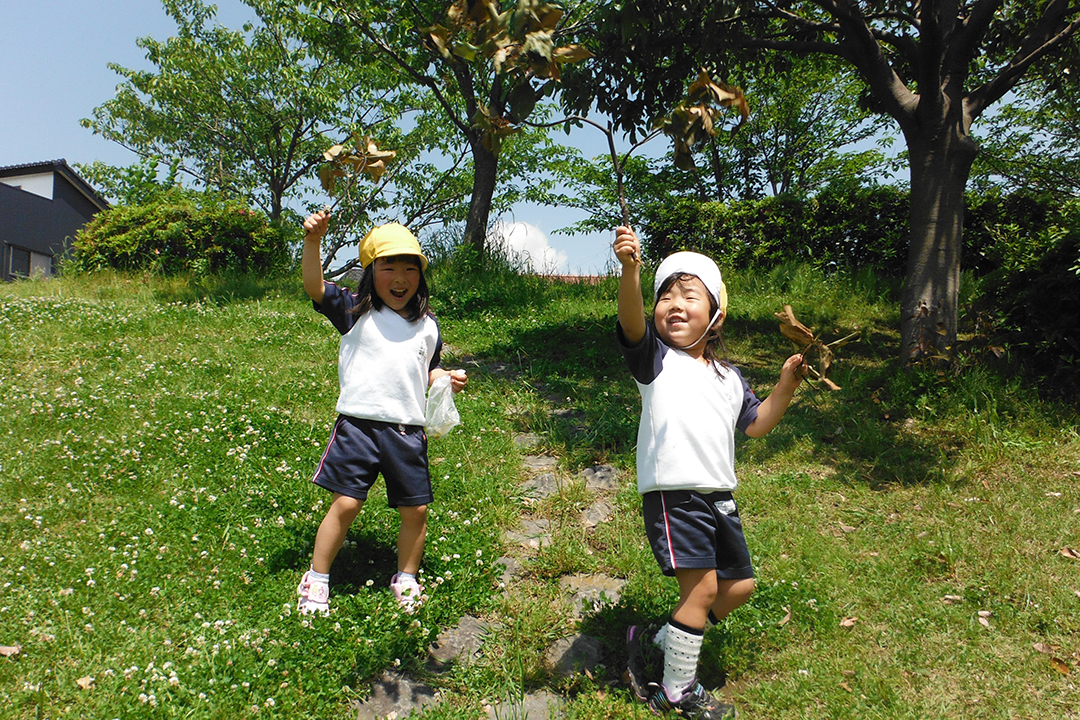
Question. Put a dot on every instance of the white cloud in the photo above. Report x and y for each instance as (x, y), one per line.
(530, 244)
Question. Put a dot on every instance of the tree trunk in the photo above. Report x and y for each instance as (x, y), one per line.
(928, 304)
(485, 167)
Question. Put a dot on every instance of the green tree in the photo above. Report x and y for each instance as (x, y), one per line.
(933, 66)
(244, 111)
(486, 63)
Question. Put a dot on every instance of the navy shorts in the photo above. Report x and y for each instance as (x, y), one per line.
(689, 530)
(361, 449)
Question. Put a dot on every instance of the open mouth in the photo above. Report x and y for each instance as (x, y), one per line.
(399, 294)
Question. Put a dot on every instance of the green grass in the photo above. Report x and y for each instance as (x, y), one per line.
(155, 511)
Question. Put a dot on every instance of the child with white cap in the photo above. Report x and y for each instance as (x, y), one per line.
(389, 356)
(692, 401)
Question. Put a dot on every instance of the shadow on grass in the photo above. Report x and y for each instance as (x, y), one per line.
(366, 556)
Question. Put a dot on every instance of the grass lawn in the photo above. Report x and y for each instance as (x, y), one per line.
(915, 535)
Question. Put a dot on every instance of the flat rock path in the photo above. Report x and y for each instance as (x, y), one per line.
(395, 696)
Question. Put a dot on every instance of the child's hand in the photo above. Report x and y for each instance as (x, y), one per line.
(793, 371)
(315, 225)
(458, 379)
(627, 247)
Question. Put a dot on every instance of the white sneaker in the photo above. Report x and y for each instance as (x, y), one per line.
(409, 594)
(314, 596)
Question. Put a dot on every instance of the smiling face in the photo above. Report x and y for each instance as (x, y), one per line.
(682, 314)
(396, 280)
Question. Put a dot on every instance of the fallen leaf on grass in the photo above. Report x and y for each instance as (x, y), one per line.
(984, 617)
(85, 682)
(984, 622)
(786, 619)
(10, 650)
(1042, 647)
(845, 686)
(1060, 665)
(849, 621)
(847, 528)
(1070, 553)
(950, 599)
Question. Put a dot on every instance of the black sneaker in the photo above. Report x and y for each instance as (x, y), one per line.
(697, 703)
(646, 664)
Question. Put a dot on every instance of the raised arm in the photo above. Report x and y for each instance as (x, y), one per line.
(772, 409)
(311, 259)
(631, 306)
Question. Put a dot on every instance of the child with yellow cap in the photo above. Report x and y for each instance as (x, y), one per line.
(692, 401)
(389, 355)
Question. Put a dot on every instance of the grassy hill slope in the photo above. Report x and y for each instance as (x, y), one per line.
(915, 534)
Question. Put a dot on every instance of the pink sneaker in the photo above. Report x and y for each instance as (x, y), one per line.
(409, 594)
(314, 596)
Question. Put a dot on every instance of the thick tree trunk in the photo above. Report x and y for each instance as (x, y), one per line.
(928, 305)
(485, 167)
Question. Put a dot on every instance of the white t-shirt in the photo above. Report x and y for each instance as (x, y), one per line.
(383, 359)
(686, 438)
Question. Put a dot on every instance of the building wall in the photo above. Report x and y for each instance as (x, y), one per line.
(36, 230)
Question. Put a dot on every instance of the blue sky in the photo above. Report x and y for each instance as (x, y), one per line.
(56, 55)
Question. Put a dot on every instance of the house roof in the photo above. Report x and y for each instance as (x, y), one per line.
(57, 166)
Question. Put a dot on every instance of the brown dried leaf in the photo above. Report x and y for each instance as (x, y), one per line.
(792, 329)
(1060, 665)
(1042, 647)
(845, 686)
(849, 621)
(1070, 553)
(10, 650)
(85, 682)
(847, 528)
(571, 54)
(950, 599)
(786, 619)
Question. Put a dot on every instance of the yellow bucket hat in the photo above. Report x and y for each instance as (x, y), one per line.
(389, 240)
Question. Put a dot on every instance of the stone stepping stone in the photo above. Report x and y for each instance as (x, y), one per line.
(395, 696)
(573, 654)
(535, 534)
(459, 644)
(512, 569)
(527, 440)
(599, 512)
(540, 463)
(588, 593)
(600, 478)
(541, 486)
(537, 705)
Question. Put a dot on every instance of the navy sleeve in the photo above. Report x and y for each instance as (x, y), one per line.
(748, 412)
(336, 304)
(646, 359)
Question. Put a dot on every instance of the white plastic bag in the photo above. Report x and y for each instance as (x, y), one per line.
(442, 414)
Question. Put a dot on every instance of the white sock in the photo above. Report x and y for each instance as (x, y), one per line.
(681, 650)
(658, 638)
(318, 577)
(404, 577)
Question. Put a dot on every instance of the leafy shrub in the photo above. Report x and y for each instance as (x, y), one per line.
(181, 231)
(1035, 291)
(839, 228)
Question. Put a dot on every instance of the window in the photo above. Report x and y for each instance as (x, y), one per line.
(20, 262)
(26, 263)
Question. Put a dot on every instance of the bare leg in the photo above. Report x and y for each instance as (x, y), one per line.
(730, 594)
(411, 537)
(331, 536)
(697, 593)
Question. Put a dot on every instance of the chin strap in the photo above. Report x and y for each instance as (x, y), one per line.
(712, 321)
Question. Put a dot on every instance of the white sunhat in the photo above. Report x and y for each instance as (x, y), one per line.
(698, 265)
